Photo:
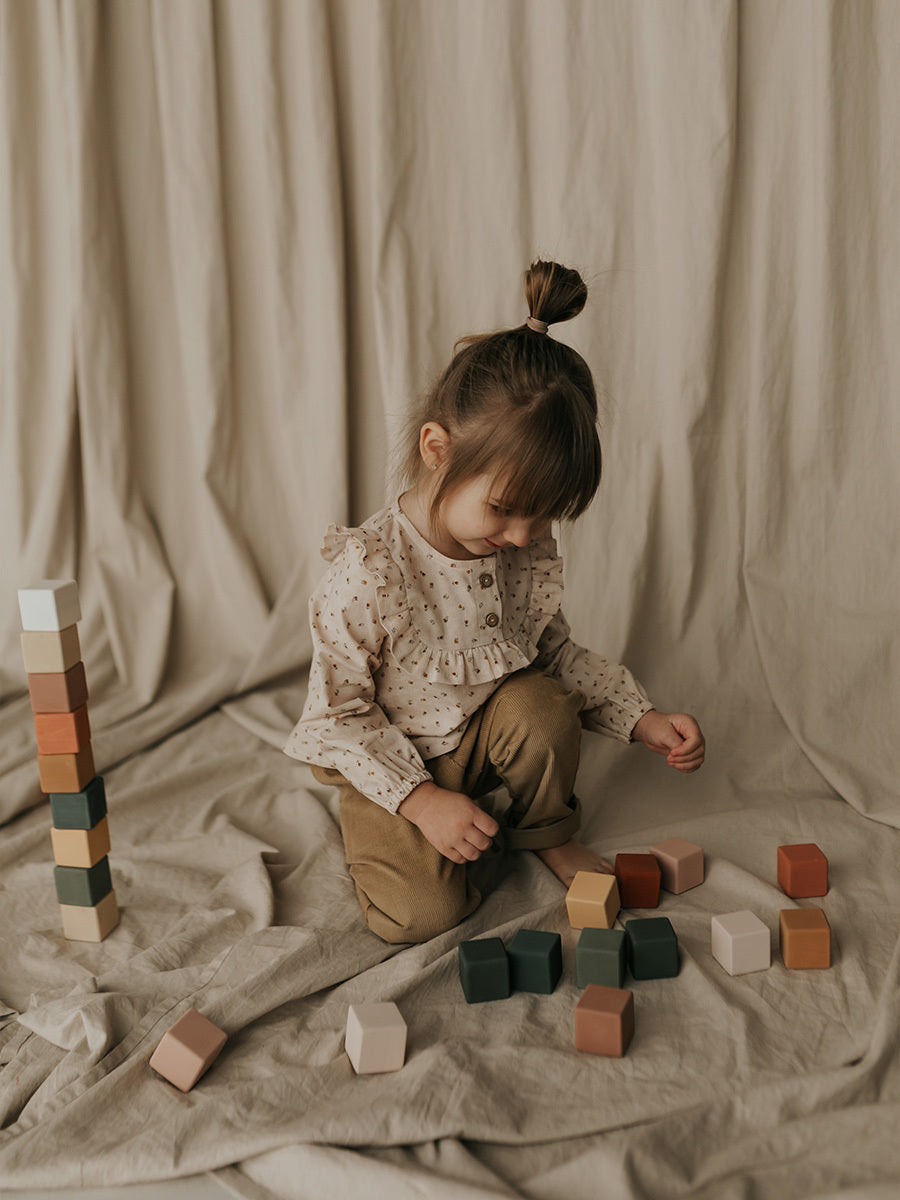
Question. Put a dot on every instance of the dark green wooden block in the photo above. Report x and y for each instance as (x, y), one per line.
(652, 948)
(83, 885)
(484, 970)
(600, 958)
(79, 810)
(535, 961)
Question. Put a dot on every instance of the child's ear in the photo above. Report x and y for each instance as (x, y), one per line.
(434, 442)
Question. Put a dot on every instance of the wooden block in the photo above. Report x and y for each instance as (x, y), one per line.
(741, 943)
(188, 1050)
(592, 900)
(66, 772)
(49, 604)
(535, 961)
(60, 691)
(62, 733)
(802, 870)
(83, 885)
(680, 863)
(652, 948)
(484, 970)
(639, 877)
(50, 651)
(82, 923)
(600, 958)
(604, 1020)
(79, 810)
(375, 1040)
(805, 938)
(80, 847)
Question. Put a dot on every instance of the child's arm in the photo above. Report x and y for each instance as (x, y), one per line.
(676, 735)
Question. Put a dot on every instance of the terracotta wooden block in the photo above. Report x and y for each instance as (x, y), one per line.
(592, 900)
(805, 938)
(741, 943)
(604, 1020)
(79, 810)
(375, 1040)
(60, 691)
(50, 651)
(639, 877)
(49, 604)
(66, 772)
(680, 862)
(82, 923)
(188, 1050)
(802, 870)
(62, 733)
(80, 847)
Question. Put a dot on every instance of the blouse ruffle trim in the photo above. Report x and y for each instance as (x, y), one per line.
(437, 664)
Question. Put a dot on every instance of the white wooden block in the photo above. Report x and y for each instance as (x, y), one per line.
(376, 1038)
(741, 943)
(50, 604)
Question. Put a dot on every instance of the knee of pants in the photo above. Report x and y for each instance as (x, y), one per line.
(549, 712)
(398, 913)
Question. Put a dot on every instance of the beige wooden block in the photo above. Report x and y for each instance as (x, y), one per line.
(48, 652)
(375, 1038)
(80, 847)
(592, 901)
(83, 924)
(188, 1050)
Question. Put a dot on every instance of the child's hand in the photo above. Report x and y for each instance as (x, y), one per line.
(676, 735)
(453, 823)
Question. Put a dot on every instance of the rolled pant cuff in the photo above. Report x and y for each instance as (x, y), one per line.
(545, 837)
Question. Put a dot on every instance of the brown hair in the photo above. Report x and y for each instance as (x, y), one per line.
(518, 403)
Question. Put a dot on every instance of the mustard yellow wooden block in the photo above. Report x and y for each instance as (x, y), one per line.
(47, 652)
(80, 847)
(83, 924)
(66, 772)
(592, 901)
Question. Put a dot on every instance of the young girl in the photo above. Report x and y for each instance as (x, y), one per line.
(442, 662)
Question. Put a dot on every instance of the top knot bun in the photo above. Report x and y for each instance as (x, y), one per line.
(554, 293)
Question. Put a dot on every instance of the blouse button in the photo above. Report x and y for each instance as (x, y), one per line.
(486, 580)
(492, 619)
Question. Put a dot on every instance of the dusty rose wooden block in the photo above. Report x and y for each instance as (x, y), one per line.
(66, 772)
(80, 847)
(681, 864)
(592, 900)
(639, 877)
(47, 652)
(802, 870)
(49, 604)
(62, 733)
(805, 938)
(375, 1040)
(59, 691)
(188, 1050)
(604, 1020)
(741, 943)
(83, 924)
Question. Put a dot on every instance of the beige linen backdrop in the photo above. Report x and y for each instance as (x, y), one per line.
(235, 239)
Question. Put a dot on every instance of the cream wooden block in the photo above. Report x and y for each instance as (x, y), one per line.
(83, 924)
(741, 943)
(188, 1050)
(50, 651)
(375, 1040)
(80, 847)
(592, 901)
(49, 604)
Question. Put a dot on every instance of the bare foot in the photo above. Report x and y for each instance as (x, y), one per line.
(565, 860)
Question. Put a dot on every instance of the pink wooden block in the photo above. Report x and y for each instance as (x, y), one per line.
(189, 1049)
(681, 863)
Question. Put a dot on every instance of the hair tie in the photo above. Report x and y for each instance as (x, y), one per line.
(536, 324)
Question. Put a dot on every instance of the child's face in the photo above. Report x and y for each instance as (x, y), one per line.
(476, 524)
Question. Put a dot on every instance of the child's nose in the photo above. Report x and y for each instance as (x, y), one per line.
(518, 532)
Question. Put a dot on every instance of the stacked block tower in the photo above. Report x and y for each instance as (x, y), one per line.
(58, 689)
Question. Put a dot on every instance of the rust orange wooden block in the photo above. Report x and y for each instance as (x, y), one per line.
(66, 772)
(802, 870)
(59, 691)
(805, 938)
(189, 1049)
(604, 1020)
(82, 923)
(48, 652)
(62, 733)
(639, 877)
(80, 847)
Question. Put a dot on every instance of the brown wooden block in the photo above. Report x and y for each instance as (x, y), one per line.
(83, 924)
(802, 870)
(188, 1050)
(50, 651)
(66, 772)
(58, 691)
(639, 877)
(62, 733)
(80, 847)
(604, 1020)
(805, 938)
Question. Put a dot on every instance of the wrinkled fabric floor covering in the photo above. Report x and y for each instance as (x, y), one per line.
(229, 870)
